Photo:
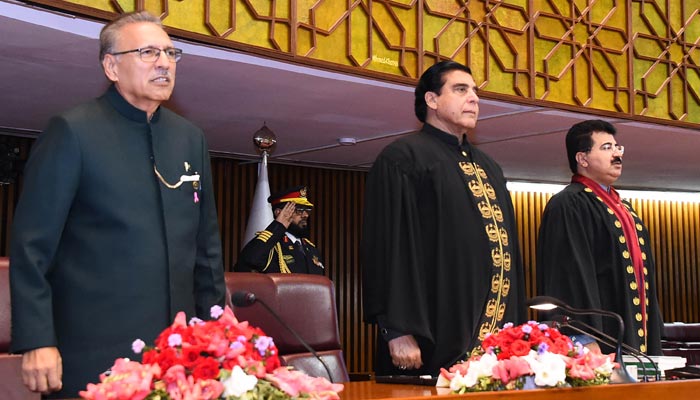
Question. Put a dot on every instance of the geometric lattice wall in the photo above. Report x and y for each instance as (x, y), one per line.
(632, 57)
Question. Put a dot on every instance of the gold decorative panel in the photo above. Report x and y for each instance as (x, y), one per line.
(639, 58)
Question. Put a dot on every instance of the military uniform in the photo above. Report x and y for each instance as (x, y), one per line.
(272, 250)
(277, 250)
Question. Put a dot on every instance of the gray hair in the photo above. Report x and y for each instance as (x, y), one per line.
(110, 32)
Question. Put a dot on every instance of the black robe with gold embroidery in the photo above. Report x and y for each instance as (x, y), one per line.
(581, 261)
(439, 234)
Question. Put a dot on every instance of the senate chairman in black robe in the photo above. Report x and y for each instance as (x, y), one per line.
(593, 251)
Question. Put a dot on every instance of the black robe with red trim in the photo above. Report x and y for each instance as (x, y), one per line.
(581, 260)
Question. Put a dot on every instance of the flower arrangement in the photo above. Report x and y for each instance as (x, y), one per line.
(217, 359)
(528, 356)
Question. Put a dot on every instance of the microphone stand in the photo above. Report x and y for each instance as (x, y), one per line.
(630, 350)
(599, 336)
(550, 303)
(243, 299)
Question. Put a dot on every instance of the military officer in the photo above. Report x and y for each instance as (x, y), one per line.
(284, 246)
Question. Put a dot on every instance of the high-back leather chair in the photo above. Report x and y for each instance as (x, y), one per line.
(683, 340)
(11, 386)
(307, 304)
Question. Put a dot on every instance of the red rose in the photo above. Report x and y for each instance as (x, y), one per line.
(520, 348)
(191, 355)
(167, 358)
(561, 345)
(207, 368)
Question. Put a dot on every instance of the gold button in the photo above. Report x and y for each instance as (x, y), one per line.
(610, 211)
(464, 153)
(638, 316)
(630, 269)
(644, 256)
(618, 224)
(626, 254)
(641, 241)
(621, 239)
(640, 332)
(636, 301)
(639, 227)
(643, 348)
(633, 285)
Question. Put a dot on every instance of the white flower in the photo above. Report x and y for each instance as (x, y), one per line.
(238, 383)
(480, 368)
(605, 369)
(458, 382)
(549, 369)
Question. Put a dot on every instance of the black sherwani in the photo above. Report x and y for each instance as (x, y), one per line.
(102, 251)
(581, 261)
(263, 253)
(428, 262)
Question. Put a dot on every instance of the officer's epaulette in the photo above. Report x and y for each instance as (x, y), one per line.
(309, 242)
(263, 236)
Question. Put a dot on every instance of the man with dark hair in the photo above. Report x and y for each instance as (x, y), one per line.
(593, 249)
(440, 259)
(284, 246)
(116, 229)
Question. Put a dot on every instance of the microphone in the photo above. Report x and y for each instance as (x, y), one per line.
(564, 321)
(242, 298)
(549, 303)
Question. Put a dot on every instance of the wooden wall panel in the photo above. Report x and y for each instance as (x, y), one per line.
(336, 221)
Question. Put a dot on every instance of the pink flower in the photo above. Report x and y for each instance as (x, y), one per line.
(512, 368)
(128, 380)
(216, 311)
(295, 383)
(582, 371)
(137, 346)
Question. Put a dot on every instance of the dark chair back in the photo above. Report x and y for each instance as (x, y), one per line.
(307, 304)
(11, 386)
(682, 339)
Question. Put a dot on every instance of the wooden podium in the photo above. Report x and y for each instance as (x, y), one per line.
(673, 390)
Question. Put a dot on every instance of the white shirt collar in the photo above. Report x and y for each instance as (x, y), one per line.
(292, 237)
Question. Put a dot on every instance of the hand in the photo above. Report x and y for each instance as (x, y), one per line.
(286, 214)
(405, 353)
(42, 370)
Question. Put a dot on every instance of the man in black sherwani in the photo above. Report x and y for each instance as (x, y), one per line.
(116, 228)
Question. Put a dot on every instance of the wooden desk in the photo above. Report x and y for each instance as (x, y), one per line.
(672, 390)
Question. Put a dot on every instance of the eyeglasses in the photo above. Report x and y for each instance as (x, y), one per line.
(301, 210)
(152, 54)
(610, 148)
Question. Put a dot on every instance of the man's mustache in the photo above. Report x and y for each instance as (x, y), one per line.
(617, 160)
